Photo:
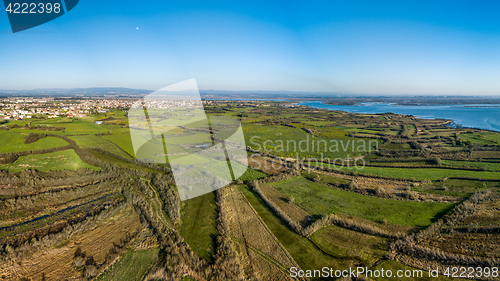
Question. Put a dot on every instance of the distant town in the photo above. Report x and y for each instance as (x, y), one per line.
(50, 107)
(26, 108)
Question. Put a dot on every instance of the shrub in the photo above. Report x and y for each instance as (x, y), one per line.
(317, 178)
(353, 185)
(31, 138)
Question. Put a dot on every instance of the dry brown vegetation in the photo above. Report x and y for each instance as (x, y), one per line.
(253, 238)
(469, 244)
(267, 165)
(485, 154)
(58, 261)
(485, 213)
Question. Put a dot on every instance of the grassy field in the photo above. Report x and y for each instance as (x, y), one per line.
(251, 174)
(198, 227)
(132, 266)
(257, 246)
(303, 251)
(343, 243)
(123, 164)
(403, 164)
(319, 123)
(76, 126)
(285, 141)
(423, 174)
(61, 160)
(482, 138)
(397, 146)
(93, 141)
(494, 167)
(11, 141)
(462, 188)
(123, 141)
(325, 178)
(318, 199)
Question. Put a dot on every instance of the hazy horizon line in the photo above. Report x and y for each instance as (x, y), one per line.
(260, 92)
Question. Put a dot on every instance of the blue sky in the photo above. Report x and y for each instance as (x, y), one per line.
(358, 47)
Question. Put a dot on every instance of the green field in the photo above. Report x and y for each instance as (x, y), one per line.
(132, 266)
(123, 164)
(198, 224)
(397, 146)
(251, 174)
(285, 141)
(421, 174)
(461, 188)
(482, 138)
(60, 160)
(403, 164)
(319, 123)
(318, 199)
(494, 167)
(123, 141)
(76, 126)
(355, 130)
(11, 141)
(303, 251)
(93, 141)
(325, 178)
(343, 243)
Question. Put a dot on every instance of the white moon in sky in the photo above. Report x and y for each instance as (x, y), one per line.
(137, 28)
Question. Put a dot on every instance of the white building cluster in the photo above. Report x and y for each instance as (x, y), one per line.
(26, 108)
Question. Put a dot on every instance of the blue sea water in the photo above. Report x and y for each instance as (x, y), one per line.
(483, 116)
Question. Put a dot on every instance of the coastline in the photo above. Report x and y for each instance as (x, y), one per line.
(463, 117)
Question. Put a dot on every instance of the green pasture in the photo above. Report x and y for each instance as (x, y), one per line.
(494, 167)
(325, 178)
(319, 123)
(397, 146)
(343, 243)
(319, 200)
(123, 141)
(251, 174)
(460, 188)
(420, 173)
(76, 126)
(123, 164)
(285, 141)
(93, 141)
(396, 267)
(14, 142)
(198, 224)
(303, 251)
(61, 160)
(482, 137)
(132, 266)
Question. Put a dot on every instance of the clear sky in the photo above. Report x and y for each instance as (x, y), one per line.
(359, 47)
